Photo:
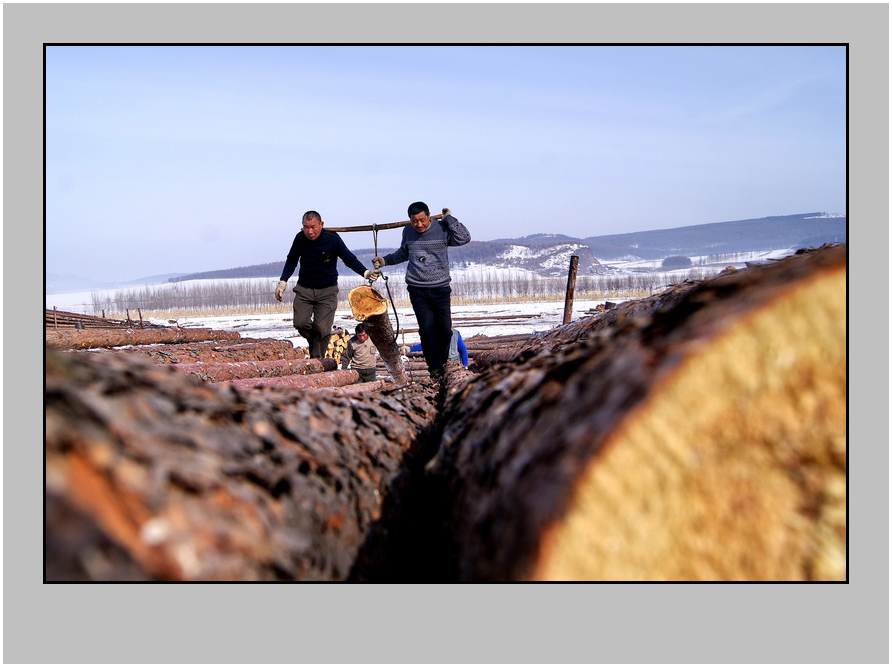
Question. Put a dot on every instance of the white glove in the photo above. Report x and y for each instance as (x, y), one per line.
(446, 211)
(280, 288)
(372, 275)
(378, 262)
(404, 350)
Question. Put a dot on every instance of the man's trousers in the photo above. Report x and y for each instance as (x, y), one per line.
(434, 315)
(314, 313)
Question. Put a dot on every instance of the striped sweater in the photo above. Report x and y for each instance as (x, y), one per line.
(427, 253)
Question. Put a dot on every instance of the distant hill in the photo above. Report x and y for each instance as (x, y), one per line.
(787, 231)
(55, 283)
(548, 254)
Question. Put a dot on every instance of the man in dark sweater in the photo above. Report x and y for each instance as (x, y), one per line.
(316, 292)
(424, 245)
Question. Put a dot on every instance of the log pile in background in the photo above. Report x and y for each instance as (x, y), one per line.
(59, 319)
(151, 474)
(257, 349)
(697, 434)
(337, 344)
(85, 339)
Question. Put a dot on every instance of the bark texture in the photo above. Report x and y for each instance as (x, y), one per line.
(238, 370)
(260, 349)
(699, 434)
(75, 339)
(334, 378)
(151, 474)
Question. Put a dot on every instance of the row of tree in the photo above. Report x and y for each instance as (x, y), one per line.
(256, 296)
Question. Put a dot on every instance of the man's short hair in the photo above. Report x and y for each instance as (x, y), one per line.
(311, 215)
(418, 207)
(360, 328)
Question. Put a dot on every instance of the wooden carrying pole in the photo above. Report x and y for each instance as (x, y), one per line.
(370, 307)
(372, 228)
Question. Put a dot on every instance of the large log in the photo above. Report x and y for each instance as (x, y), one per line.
(221, 372)
(370, 307)
(261, 349)
(153, 475)
(76, 339)
(699, 434)
(335, 378)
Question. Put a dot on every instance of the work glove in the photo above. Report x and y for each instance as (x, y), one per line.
(404, 350)
(446, 211)
(280, 289)
(372, 275)
(378, 262)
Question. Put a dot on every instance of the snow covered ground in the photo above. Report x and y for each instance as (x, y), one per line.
(484, 319)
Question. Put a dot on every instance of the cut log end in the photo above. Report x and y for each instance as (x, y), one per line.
(734, 468)
(365, 301)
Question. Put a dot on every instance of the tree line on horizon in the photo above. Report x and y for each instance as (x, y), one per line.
(718, 238)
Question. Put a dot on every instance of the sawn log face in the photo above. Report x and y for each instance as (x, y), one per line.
(697, 434)
(153, 474)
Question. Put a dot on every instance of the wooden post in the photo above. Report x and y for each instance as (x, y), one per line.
(571, 289)
(55, 322)
(139, 310)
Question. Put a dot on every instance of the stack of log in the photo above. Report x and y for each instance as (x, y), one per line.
(60, 319)
(699, 434)
(337, 344)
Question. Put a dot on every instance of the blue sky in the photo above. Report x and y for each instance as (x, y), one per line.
(180, 159)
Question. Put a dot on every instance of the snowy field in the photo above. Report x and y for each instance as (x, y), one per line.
(485, 319)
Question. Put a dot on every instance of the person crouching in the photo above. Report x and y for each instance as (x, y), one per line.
(360, 354)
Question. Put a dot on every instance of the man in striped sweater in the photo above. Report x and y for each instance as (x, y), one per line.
(424, 246)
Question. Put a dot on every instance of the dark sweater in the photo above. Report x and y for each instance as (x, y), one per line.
(319, 260)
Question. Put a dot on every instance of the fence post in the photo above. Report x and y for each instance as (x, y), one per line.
(571, 289)
(139, 310)
(55, 321)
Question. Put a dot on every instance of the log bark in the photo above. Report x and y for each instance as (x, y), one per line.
(370, 307)
(151, 475)
(338, 378)
(699, 434)
(359, 389)
(222, 372)
(261, 349)
(489, 358)
(75, 339)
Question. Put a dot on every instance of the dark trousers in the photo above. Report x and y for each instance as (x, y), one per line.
(314, 313)
(434, 315)
(366, 374)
